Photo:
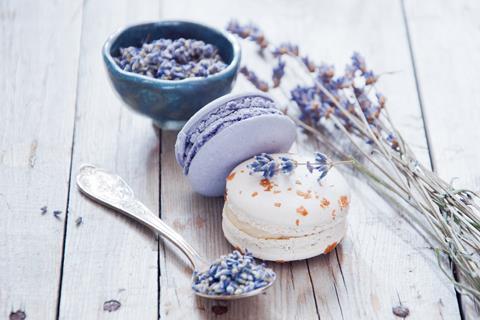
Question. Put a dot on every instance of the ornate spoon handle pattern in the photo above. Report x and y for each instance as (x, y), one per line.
(113, 191)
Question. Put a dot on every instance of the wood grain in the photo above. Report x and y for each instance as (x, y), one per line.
(56, 100)
(39, 48)
(383, 261)
(109, 257)
(445, 38)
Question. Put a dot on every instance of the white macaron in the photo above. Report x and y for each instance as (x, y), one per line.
(288, 217)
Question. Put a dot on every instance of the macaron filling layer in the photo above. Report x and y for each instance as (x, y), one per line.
(272, 232)
(288, 248)
(222, 117)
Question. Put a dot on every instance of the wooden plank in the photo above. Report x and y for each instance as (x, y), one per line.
(445, 38)
(199, 220)
(40, 43)
(383, 261)
(109, 257)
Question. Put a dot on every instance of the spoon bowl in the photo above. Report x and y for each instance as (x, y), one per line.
(248, 294)
(112, 191)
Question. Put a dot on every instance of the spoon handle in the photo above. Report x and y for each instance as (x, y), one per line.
(111, 190)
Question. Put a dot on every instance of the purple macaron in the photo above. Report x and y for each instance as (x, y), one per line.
(226, 132)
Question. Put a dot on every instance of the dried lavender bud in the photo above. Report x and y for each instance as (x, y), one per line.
(43, 210)
(249, 31)
(252, 77)
(309, 101)
(358, 62)
(278, 73)
(392, 141)
(309, 64)
(321, 164)
(111, 305)
(265, 164)
(381, 99)
(78, 221)
(57, 213)
(286, 48)
(401, 311)
(233, 274)
(370, 77)
(287, 165)
(17, 315)
(169, 59)
(325, 72)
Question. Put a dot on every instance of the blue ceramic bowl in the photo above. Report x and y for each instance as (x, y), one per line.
(170, 103)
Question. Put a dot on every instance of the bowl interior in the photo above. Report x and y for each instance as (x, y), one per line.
(139, 34)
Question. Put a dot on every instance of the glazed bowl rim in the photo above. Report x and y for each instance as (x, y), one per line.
(231, 67)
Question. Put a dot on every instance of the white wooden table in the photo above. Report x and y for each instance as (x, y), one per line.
(57, 111)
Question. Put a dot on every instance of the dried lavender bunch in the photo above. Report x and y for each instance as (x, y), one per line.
(233, 274)
(327, 104)
(169, 59)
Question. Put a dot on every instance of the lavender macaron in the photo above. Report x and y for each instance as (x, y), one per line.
(227, 131)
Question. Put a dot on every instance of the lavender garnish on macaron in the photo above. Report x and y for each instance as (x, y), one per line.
(233, 274)
(268, 166)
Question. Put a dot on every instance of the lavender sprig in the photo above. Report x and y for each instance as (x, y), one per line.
(252, 77)
(285, 48)
(309, 64)
(268, 166)
(249, 31)
(278, 73)
(233, 274)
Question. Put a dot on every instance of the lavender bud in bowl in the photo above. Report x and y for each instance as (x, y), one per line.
(168, 70)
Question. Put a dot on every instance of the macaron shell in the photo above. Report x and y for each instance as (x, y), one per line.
(287, 205)
(214, 161)
(288, 249)
(204, 112)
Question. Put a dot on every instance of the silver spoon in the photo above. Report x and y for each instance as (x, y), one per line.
(112, 191)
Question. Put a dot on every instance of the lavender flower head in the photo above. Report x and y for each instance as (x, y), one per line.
(248, 31)
(252, 77)
(287, 165)
(168, 59)
(321, 165)
(352, 90)
(264, 164)
(358, 62)
(309, 64)
(286, 48)
(233, 274)
(278, 73)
